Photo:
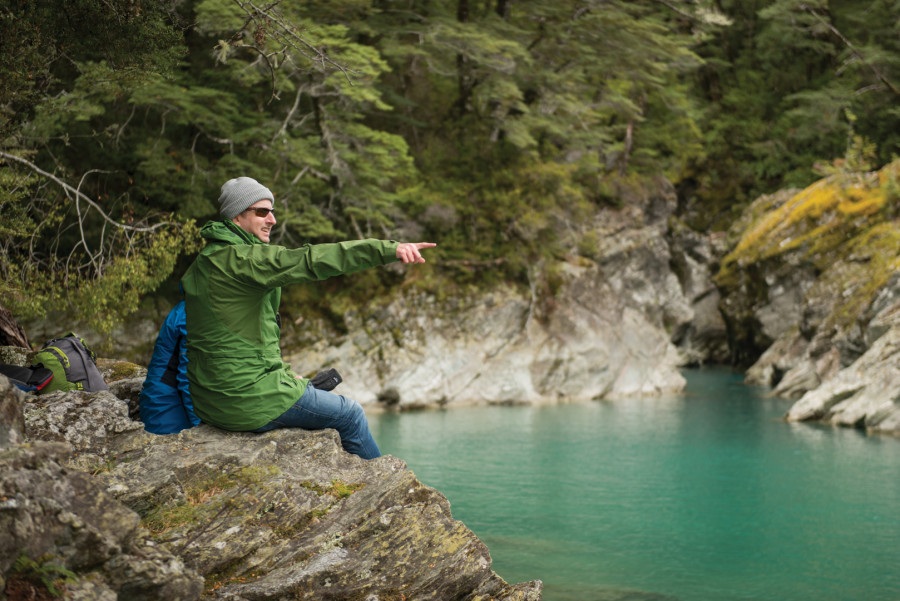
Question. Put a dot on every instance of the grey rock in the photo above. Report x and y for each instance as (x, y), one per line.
(806, 313)
(284, 515)
(884, 313)
(784, 306)
(85, 420)
(12, 420)
(497, 350)
(289, 514)
(780, 358)
(863, 395)
(15, 355)
(129, 390)
(53, 513)
(704, 337)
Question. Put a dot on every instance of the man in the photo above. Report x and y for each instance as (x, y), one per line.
(238, 380)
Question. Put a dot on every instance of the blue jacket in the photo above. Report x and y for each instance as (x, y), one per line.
(165, 401)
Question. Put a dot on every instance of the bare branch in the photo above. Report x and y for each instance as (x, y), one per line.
(70, 190)
(853, 49)
(265, 57)
(292, 38)
(124, 125)
(316, 173)
(290, 115)
(87, 249)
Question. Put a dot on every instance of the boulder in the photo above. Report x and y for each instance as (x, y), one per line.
(92, 504)
(865, 394)
(12, 420)
(808, 273)
(703, 337)
(501, 348)
(59, 528)
(289, 514)
(88, 421)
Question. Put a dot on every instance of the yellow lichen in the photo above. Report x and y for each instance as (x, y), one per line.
(822, 217)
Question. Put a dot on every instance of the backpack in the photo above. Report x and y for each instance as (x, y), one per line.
(29, 379)
(73, 363)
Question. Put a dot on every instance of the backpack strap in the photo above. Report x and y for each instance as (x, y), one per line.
(63, 359)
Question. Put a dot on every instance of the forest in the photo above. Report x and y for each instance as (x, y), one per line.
(495, 128)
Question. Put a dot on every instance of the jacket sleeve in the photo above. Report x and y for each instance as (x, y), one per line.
(272, 266)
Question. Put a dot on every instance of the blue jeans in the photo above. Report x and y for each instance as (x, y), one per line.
(319, 409)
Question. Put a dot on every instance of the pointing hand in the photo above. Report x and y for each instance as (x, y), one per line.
(408, 252)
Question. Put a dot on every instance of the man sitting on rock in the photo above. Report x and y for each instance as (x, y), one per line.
(238, 380)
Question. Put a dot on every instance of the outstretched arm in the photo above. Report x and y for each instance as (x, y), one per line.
(408, 252)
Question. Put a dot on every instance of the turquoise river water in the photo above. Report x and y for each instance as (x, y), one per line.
(704, 496)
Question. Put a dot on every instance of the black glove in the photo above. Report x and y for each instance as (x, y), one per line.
(326, 380)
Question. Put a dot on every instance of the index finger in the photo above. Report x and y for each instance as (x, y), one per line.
(421, 245)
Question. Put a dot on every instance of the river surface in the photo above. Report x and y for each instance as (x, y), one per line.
(705, 496)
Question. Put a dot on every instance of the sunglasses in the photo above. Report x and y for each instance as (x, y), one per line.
(261, 211)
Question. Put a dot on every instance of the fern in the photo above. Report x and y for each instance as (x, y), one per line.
(43, 572)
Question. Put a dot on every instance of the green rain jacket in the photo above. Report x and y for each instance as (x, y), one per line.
(232, 292)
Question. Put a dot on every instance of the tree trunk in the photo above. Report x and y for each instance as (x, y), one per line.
(503, 9)
(462, 11)
(11, 332)
(463, 68)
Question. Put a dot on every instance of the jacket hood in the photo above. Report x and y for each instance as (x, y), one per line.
(227, 232)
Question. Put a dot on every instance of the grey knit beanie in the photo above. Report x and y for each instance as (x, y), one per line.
(239, 193)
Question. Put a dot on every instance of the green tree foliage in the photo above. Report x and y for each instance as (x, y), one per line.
(496, 128)
(73, 236)
(490, 127)
(778, 85)
(44, 41)
(530, 111)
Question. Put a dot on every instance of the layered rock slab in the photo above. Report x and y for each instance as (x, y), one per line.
(285, 515)
(289, 514)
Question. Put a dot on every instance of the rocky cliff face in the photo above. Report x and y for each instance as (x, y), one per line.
(811, 294)
(94, 507)
(623, 318)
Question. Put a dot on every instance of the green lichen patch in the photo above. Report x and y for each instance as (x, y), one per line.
(122, 370)
(286, 523)
(209, 497)
(337, 488)
(117, 369)
(874, 256)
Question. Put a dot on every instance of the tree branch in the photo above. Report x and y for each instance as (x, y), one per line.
(856, 52)
(318, 55)
(78, 194)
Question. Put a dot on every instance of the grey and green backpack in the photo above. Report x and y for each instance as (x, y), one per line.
(73, 363)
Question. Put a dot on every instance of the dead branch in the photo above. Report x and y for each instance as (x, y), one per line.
(290, 37)
(853, 49)
(70, 191)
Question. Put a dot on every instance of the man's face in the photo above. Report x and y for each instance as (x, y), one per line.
(259, 226)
